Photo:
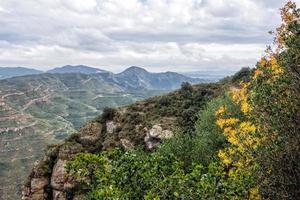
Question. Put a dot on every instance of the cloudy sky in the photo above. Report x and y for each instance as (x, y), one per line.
(160, 35)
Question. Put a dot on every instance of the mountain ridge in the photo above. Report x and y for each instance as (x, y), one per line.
(8, 72)
(46, 108)
(76, 69)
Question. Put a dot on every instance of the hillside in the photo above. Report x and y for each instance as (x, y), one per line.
(8, 72)
(235, 139)
(138, 78)
(143, 124)
(42, 109)
(76, 69)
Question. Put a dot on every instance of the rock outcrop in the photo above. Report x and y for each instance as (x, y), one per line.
(154, 136)
(49, 179)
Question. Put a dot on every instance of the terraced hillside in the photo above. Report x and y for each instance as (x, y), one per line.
(44, 109)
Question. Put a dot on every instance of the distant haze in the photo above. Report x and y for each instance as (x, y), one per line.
(159, 35)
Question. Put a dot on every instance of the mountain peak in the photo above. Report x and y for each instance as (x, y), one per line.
(135, 69)
(76, 69)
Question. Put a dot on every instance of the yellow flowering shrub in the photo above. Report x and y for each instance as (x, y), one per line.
(264, 142)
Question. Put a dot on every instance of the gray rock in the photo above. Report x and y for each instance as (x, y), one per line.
(111, 127)
(127, 144)
(59, 195)
(154, 136)
(58, 178)
(38, 185)
(90, 133)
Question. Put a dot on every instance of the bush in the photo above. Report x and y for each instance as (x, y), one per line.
(208, 136)
(108, 114)
(244, 75)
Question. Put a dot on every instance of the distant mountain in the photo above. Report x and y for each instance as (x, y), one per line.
(139, 78)
(133, 78)
(76, 69)
(7, 72)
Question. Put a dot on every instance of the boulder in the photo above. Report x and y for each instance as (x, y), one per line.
(36, 189)
(155, 131)
(111, 127)
(154, 136)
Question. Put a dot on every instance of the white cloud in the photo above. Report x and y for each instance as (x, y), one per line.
(81, 5)
(157, 34)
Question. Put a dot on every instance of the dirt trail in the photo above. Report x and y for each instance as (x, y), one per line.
(15, 129)
(87, 80)
(40, 99)
(12, 94)
(14, 116)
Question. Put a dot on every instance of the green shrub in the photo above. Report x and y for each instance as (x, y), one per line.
(108, 114)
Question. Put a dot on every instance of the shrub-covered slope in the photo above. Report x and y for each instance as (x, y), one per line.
(238, 139)
(142, 125)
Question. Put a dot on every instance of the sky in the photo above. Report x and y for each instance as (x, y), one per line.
(159, 35)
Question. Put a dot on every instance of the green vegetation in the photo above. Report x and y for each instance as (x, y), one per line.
(244, 144)
(60, 105)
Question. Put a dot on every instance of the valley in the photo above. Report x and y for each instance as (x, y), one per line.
(44, 109)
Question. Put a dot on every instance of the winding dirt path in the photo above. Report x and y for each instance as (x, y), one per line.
(12, 94)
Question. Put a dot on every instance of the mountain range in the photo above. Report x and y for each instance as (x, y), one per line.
(7, 72)
(46, 107)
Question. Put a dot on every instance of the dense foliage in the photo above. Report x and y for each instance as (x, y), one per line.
(242, 145)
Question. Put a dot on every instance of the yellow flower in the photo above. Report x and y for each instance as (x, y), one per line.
(220, 111)
(245, 107)
(220, 122)
(254, 194)
(247, 127)
(257, 73)
(224, 158)
(226, 122)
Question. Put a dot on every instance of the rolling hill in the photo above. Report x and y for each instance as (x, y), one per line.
(76, 69)
(37, 110)
(8, 72)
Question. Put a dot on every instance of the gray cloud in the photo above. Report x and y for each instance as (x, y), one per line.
(157, 34)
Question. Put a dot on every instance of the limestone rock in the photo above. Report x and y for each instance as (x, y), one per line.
(91, 132)
(127, 144)
(59, 195)
(154, 136)
(36, 189)
(58, 175)
(111, 127)
(38, 184)
(68, 151)
(155, 131)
